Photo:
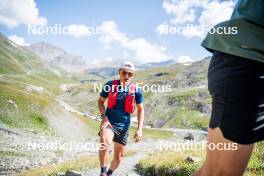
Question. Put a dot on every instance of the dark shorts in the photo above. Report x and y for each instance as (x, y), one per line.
(120, 136)
(237, 88)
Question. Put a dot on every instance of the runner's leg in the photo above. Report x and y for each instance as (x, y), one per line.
(118, 154)
(224, 162)
(106, 138)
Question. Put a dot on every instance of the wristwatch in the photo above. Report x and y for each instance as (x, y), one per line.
(103, 115)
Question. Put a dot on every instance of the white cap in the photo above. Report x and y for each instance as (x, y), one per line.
(127, 65)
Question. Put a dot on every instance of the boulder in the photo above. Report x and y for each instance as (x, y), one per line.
(161, 74)
(73, 173)
(192, 159)
(12, 103)
(33, 88)
(189, 136)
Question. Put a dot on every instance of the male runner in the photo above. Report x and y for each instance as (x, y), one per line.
(122, 96)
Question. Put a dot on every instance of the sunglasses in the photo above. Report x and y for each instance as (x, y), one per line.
(124, 73)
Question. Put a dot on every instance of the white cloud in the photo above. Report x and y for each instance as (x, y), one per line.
(184, 59)
(18, 40)
(79, 31)
(95, 61)
(107, 47)
(187, 11)
(216, 12)
(182, 10)
(15, 12)
(144, 50)
(109, 59)
(112, 34)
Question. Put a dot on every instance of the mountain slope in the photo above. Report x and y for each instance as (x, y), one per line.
(187, 105)
(16, 59)
(58, 57)
(28, 85)
(46, 50)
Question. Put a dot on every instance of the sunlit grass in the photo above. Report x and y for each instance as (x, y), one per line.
(151, 133)
(21, 109)
(169, 163)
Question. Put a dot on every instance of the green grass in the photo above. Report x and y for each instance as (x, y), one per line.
(147, 76)
(25, 112)
(7, 64)
(11, 154)
(169, 163)
(188, 119)
(50, 82)
(256, 163)
(151, 133)
(174, 163)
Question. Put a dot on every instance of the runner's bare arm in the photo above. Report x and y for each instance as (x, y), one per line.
(140, 115)
(105, 122)
(101, 105)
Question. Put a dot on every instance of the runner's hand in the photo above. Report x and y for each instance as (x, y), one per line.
(138, 135)
(105, 122)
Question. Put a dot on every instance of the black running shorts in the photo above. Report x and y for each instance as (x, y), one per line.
(120, 136)
(236, 85)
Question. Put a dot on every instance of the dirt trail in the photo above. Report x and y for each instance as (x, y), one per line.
(65, 123)
(127, 166)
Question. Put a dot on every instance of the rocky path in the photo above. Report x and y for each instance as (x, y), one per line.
(20, 150)
(127, 167)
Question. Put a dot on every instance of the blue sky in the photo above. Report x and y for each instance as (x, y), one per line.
(131, 27)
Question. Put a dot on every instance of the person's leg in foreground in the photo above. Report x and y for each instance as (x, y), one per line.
(236, 83)
(236, 123)
(224, 162)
